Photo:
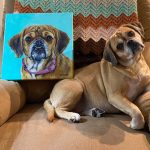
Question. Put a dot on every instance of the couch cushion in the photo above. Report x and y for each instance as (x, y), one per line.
(12, 98)
(144, 16)
(146, 53)
(94, 21)
(30, 130)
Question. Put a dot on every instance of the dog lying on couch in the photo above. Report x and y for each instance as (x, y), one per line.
(112, 85)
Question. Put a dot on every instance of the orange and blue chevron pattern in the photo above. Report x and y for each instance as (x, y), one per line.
(94, 21)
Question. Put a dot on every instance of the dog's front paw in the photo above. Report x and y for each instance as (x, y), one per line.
(74, 117)
(137, 122)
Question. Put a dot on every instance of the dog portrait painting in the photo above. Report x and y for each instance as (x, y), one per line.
(41, 47)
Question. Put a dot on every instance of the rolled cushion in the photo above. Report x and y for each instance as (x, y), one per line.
(12, 98)
(94, 22)
(144, 16)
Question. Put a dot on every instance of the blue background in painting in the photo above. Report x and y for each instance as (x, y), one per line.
(16, 23)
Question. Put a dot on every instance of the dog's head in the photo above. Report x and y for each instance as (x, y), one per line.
(39, 42)
(125, 45)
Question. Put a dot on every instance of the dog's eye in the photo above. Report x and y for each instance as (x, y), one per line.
(131, 34)
(120, 46)
(28, 39)
(49, 38)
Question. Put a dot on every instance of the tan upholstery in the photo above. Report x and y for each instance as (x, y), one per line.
(29, 130)
(41, 90)
(146, 52)
(144, 16)
(12, 99)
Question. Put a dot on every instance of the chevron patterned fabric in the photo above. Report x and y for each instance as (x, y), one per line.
(94, 21)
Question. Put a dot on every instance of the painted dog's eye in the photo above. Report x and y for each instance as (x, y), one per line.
(131, 34)
(49, 38)
(28, 39)
(120, 46)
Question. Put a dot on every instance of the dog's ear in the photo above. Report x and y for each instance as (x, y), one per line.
(137, 26)
(16, 45)
(62, 42)
(109, 55)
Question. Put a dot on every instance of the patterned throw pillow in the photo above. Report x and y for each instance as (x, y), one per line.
(94, 21)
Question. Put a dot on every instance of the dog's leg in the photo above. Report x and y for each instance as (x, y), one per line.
(63, 98)
(123, 104)
(143, 102)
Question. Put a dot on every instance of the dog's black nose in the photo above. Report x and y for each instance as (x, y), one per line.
(39, 43)
(133, 45)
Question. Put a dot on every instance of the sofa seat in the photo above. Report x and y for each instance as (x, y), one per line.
(29, 129)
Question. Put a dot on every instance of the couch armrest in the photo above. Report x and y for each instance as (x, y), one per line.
(146, 53)
(144, 16)
(12, 98)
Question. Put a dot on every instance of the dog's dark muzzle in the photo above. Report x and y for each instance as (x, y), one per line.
(134, 45)
(38, 50)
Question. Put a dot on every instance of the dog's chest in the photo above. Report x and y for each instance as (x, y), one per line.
(132, 89)
(137, 84)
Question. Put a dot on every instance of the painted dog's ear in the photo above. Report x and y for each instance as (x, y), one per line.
(137, 26)
(16, 45)
(109, 55)
(62, 42)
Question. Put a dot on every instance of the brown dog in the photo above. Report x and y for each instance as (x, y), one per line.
(111, 85)
(43, 46)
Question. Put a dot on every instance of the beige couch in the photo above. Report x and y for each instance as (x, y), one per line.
(28, 129)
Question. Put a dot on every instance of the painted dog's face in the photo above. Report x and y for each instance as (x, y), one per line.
(39, 42)
(125, 45)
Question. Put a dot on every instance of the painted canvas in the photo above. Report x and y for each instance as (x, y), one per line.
(38, 46)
